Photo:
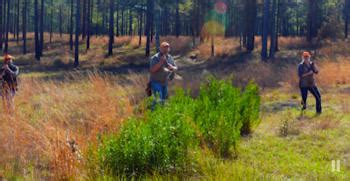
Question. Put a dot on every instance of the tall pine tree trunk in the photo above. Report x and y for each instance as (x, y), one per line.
(77, 31)
(117, 20)
(51, 21)
(140, 27)
(130, 23)
(311, 20)
(265, 32)
(36, 30)
(346, 17)
(71, 25)
(42, 28)
(111, 27)
(1, 24)
(177, 20)
(89, 19)
(7, 26)
(24, 26)
(149, 24)
(250, 22)
(274, 28)
(61, 21)
(17, 21)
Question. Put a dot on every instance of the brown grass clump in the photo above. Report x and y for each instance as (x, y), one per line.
(54, 123)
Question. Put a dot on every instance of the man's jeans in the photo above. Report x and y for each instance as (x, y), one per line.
(316, 93)
(160, 91)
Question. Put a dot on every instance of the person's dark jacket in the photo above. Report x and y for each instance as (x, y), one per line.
(307, 81)
(10, 77)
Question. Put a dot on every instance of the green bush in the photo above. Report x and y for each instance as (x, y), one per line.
(165, 139)
(217, 115)
(161, 143)
(250, 108)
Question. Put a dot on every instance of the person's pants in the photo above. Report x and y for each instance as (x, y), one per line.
(160, 91)
(316, 93)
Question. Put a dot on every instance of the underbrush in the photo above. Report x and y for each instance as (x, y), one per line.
(166, 139)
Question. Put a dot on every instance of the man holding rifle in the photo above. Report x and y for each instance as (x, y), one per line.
(162, 69)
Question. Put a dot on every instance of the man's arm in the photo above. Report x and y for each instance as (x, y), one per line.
(307, 74)
(12, 69)
(155, 67)
(172, 65)
(315, 68)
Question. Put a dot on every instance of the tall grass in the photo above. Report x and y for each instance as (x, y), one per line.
(54, 122)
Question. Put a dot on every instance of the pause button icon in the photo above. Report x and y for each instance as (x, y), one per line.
(335, 165)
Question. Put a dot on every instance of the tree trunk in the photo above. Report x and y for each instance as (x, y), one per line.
(84, 20)
(346, 17)
(61, 21)
(149, 24)
(273, 29)
(122, 23)
(17, 22)
(265, 32)
(77, 31)
(36, 30)
(117, 21)
(7, 26)
(157, 18)
(42, 28)
(177, 21)
(51, 21)
(89, 19)
(311, 20)
(111, 27)
(71, 25)
(250, 22)
(140, 27)
(130, 23)
(1, 24)
(24, 26)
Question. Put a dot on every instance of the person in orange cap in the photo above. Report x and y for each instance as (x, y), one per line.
(162, 68)
(306, 71)
(9, 73)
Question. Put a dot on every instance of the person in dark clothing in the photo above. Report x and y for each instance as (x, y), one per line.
(306, 71)
(8, 76)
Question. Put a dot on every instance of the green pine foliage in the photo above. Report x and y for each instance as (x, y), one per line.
(166, 139)
(218, 116)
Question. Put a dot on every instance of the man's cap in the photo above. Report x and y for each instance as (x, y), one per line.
(306, 55)
(8, 57)
(164, 45)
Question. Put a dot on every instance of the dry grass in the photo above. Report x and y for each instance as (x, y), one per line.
(223, 47)
(56, 121)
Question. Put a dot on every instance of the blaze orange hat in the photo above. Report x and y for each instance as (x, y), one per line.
(8, 57)
(306, 55)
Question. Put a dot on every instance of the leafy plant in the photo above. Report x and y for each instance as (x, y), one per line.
(161, 143)
(165, 139)
(250, 108)
(217, 115)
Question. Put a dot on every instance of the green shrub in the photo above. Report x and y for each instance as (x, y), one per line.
(165, 139)
(162, 143)
(250, 108)
(217, 115)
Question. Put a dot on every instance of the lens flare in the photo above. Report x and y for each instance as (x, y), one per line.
(220, 7)
(213, 28)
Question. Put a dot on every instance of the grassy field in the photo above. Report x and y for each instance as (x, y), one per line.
(61, 113)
